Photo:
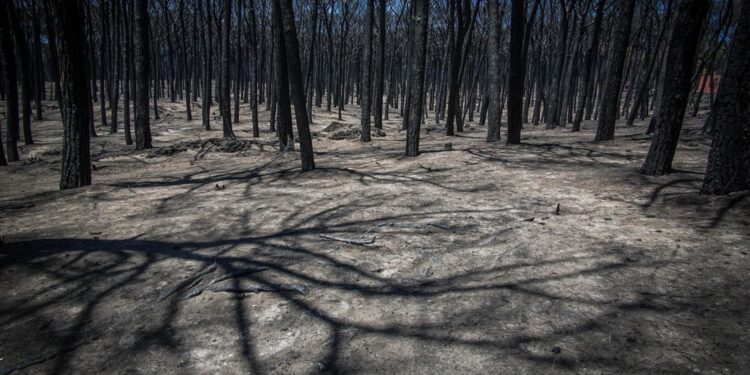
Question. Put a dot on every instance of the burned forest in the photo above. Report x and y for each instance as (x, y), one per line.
(374, 186)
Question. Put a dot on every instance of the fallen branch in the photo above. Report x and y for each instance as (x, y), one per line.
(350, 241)
(46, 356)
(187, 283)
(255, 289)
(198, 290)
(238, 273)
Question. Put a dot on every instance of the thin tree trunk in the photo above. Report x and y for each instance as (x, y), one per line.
(380, 67)
(366, 84)
(420, 14)
(143, 76)
(609, 108)
(24, 59)
(516, 71)
(224, 102)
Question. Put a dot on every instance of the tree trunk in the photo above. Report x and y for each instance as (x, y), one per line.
(127, 11)
(553, 110)
(588, 65)
(643, 86)
(728, 167)
(309, 82)
(10, 79)
(25, 67)
(224, 103)
(516, 71)
(609, 107)
(76, 162)
(291, 46)
(143, 76)
(38, 64)
(420, 14)
(380, 67)
(366, 73)
(681, 51)
(254, 70)
(493, 76)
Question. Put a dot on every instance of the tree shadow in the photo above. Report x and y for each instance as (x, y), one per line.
(128, 268)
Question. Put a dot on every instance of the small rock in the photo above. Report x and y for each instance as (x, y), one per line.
(127, 340)
(556, 350)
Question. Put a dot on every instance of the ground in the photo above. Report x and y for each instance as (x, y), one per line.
(553, 256)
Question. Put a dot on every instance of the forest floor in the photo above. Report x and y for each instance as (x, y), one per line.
(463, 264)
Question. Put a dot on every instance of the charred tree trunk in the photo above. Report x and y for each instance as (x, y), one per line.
(609, 107)
(516, 71)
(588, 65)
(681, 51)
(52, 44)
(37, 63)
(10, 79)
(117, 64)
(645, 80)
(224, 102)
(206, 44)
(76, 162)
(27, 89)
(729, 159)
(366, 73)
(254, 70)
(553, 108)
(309, 82)
(291, 46)
(380, 67)
(143, 76)
(128, 12)
(419, 20)
(494, 96)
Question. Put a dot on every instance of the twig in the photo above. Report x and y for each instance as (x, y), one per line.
(254, 289)
(350, 241)
(198, 290)
(187, 283)
(238, 273)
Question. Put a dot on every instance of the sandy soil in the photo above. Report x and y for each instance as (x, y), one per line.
(470, 271)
